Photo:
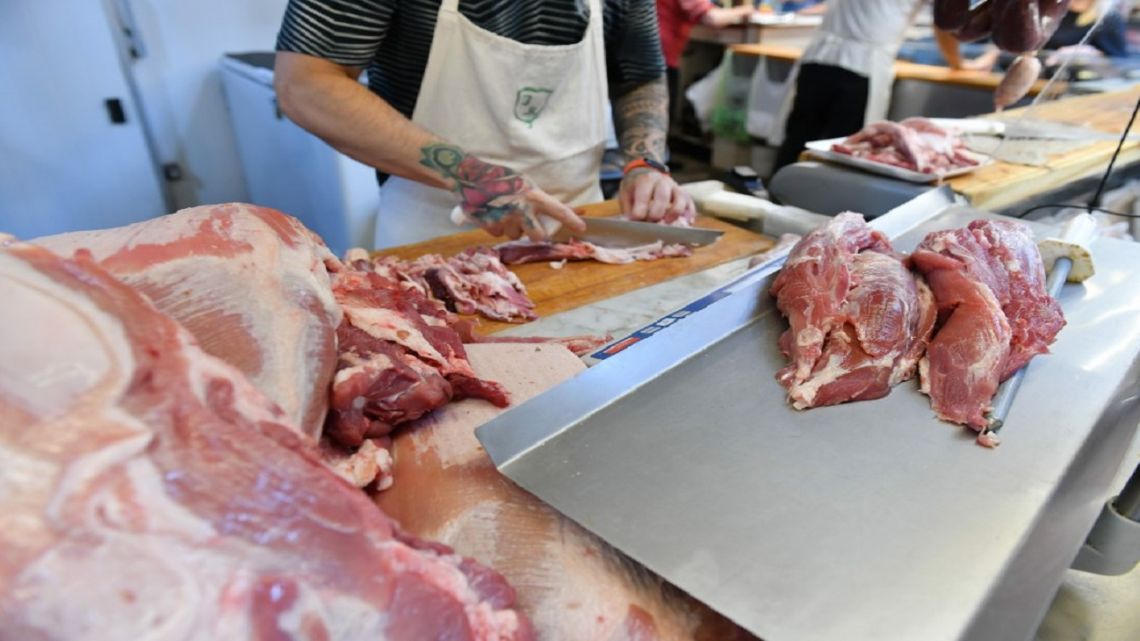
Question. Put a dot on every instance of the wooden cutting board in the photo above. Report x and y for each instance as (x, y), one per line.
(582, 283)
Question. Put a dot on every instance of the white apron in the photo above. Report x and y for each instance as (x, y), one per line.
(540, 110)
(862, 36)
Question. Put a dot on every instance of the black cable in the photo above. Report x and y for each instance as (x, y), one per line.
(1077, 206)
(1095, 202)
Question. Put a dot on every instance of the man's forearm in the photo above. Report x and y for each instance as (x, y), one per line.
(949, 47)
(326, 100)
(641, 118)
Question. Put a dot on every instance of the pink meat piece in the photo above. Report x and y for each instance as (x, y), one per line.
(249, 283)
(153, 492)
(1035, 317)
(677, 220)
(859, 320)
(916, 144)
(813, 284)
(526, 251)
(474, 281)
(994, 314)
(398, 359)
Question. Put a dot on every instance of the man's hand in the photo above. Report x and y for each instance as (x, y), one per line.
(649, 195)
(497, 198)
(517, 213)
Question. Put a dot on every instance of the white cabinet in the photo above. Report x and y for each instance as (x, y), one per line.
(288, 168)
(73, 154)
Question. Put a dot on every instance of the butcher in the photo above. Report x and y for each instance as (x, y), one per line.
(844, 78)
(489, 112)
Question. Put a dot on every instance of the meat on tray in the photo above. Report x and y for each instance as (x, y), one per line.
(527, 251)
(994, 314)
(860, 321)
(152, 492)
(249, 283)
(858, 318)
(471, 282)
(916, 144)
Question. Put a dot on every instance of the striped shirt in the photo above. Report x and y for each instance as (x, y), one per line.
(392, 38)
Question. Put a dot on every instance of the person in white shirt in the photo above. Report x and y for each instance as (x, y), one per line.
(846, 72)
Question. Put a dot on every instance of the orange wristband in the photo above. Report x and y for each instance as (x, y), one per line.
(649, 163)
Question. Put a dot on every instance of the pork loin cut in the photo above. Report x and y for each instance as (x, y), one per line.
(858, 319)
(249, 283)
(994, 314)
(151, 492)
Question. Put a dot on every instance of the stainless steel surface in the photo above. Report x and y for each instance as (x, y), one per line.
(869, 520)
(614, 232)
(1128, 503)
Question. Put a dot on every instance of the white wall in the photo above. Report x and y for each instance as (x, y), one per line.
(181, 91)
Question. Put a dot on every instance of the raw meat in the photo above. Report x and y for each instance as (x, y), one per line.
(916, 144)
(398, 359)
(859, 320)
(994, 314)
(573, 586)
(525, 251)
(249, 283)
(1017, 81)
(473, 281)
(152, 492)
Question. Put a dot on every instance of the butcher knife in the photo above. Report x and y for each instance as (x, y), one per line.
(618, 233)
(1025, 128)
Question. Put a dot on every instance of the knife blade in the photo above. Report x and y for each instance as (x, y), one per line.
(620, 234)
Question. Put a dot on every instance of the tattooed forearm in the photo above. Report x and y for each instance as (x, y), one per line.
(641, 117)
(487, 190)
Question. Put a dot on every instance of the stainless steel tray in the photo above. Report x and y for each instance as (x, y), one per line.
(870, 520)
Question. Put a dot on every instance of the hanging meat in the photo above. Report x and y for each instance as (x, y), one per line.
(859, 320)
(1019, 27)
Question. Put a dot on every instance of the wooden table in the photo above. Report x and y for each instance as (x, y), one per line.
(581, 283)
(903, 70)
(1000, 185)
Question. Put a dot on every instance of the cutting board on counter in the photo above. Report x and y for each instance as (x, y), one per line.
(582, 283)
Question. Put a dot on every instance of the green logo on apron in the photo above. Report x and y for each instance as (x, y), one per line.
(529, 103)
